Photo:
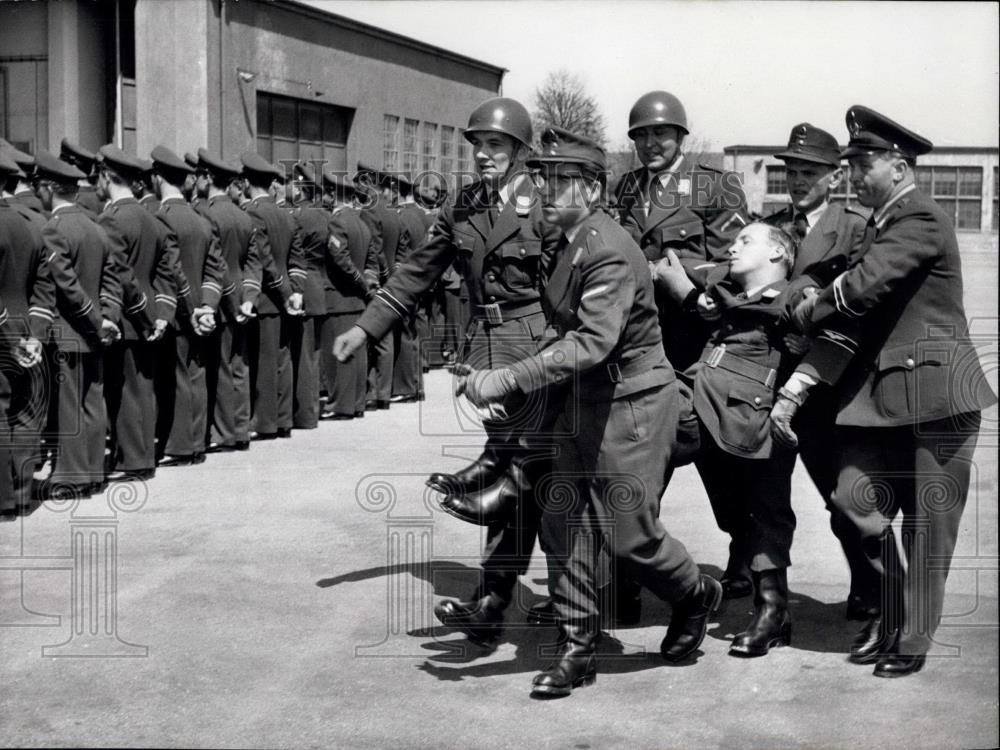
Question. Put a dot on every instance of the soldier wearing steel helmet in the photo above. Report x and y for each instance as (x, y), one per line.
(494, 234)
(673, 204)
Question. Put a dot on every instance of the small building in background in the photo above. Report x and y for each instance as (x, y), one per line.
(284, 78)
(964, 180)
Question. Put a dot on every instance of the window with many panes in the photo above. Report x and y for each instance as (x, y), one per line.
(958, 190)
(428, 147)
(290, 129)
(390, 142)
(776, 183)
(464, 154)
(447, 150)
(411, 154)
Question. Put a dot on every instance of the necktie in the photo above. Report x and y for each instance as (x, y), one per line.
(493, 211)
(801, 226)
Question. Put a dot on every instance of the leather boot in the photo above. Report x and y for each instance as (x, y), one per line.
(543, 613)
(576, 666)
(496, 504)
(480, 618)
(771, 624)
(736, 581)
(689, 620)
(481, 473)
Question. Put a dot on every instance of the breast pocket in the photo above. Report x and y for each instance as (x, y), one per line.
(521, 260)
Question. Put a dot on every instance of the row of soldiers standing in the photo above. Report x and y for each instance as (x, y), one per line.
(153, 311)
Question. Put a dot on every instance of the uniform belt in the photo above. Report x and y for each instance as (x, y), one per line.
(618, 372)
(496, 313)
(719, 357)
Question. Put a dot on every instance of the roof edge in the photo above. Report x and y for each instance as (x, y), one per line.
(317, 13)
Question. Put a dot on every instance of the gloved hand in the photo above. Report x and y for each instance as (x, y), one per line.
(782, 413)
(483, 387)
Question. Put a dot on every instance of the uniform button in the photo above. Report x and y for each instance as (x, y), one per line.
(491, 277)
(458, 242)
(683, 233)
(910, 362)
(523, 251)
(493, 299)
(756, 400)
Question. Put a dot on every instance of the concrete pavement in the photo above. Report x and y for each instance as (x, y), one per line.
(282, 598)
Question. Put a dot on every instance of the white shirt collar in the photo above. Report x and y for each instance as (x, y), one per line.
(813, 217)
(503, 194)
(60, 207)
(667, 173)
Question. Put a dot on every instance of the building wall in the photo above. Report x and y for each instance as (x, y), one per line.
(752, 163)
(24, 73)
(204, 62)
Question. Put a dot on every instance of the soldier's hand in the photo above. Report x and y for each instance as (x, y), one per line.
(782, 413)
(110, 332)
(245, 312)
(670, 275)
(203, 320)
(349, 342)
(461, 372)
(802, 314)
(797, 344)
(28, 352)
(293, 306)
(707, 308)
(483, 387)
(157, 331)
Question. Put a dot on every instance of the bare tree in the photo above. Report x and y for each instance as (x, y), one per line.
(563, 101)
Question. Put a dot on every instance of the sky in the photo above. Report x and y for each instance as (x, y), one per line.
(746, 70)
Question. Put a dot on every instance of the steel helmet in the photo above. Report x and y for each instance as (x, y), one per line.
(501, 115)
(657, 108)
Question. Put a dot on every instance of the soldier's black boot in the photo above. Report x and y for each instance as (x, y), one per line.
(771, 624)
(480, 618)
(481, 473)
(689, 619)
(543, 613)
(575, 667)
(736, 581)
(495, 504)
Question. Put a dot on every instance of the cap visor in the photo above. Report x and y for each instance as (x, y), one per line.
(816, 158)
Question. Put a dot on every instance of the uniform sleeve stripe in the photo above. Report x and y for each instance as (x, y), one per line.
(84, 309)
(140, 305)
(250, 283)
(394, 304)
(276, 283)
(297, 272)
(211, 285)
(39, 312)
(838, 298)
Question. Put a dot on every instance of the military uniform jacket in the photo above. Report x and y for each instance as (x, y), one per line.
(314, 228)
(893, 334)
(280, 245)
(199, 255)
(144, 263)
(599, 301)
(743, 365)
(83, 271)
(349, 253)
(697, 213)
(29, 200)
(827, 247)
(395, 240)
(411, 216)
(238, 244)
(502, 265)
(26, 285)
(87, 200)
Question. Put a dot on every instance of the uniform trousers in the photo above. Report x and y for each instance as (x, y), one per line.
(814, 425)
(752, 502)
(922, 471)
(228, 379)
(346, 381)
(182, 399)
(129, 368)
(24, 405)
(609, 473)
(80, 416)
(271, 382)
(381, 365)
(407, 372)
(525, 436)
(305, 333)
